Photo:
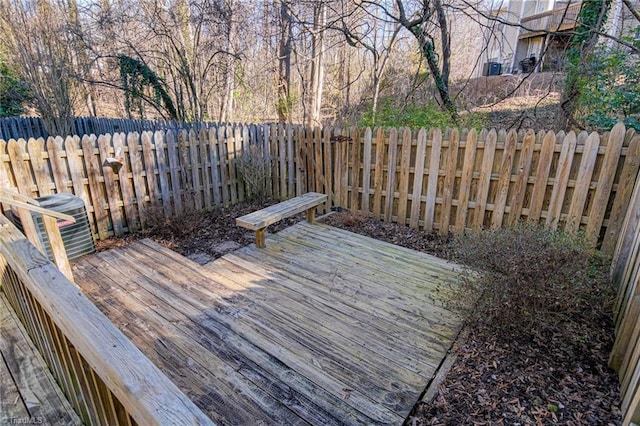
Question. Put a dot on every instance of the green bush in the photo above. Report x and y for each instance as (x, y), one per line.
(13, 92)
(530, 279)
(416, 116)
(611, 91)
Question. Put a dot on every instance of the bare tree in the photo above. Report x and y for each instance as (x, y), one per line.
(46, 62)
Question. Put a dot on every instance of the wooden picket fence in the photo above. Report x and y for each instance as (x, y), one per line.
(625, 355)
(451, 182)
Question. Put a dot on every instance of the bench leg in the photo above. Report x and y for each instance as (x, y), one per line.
(260, 238)
(311, 215)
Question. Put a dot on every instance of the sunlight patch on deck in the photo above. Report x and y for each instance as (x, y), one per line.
(323, 326)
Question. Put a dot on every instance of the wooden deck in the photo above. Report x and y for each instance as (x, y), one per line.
(321, 327)
(28, 392)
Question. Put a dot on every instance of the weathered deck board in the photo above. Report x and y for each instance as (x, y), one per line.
(321, 327)
(28, 392)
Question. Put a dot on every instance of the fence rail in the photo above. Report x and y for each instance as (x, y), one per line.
(106, 379)
(451, 182)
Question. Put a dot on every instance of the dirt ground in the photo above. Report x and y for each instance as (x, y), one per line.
(494, 380)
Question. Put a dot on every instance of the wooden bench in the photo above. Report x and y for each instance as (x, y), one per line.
(259, 220)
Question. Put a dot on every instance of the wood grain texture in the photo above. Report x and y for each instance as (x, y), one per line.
(542, 176)
(391, 175)
(522, 178)
(366, 170)
(28, 389)
(146, 393)
(378, 173)
(418, 176)
(565, 160)
(449, 182)
(506, 164)
(465, 181)
(432, 183)
(96, 190)
(484, 182)
(126, 185)
(583, 182)
(113, 194)
(265, 217)
(321, 327)
(403, 187)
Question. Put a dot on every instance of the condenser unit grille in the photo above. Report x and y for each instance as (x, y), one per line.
(76, 237)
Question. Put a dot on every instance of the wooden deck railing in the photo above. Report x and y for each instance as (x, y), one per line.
(560, 19)
(103, 375)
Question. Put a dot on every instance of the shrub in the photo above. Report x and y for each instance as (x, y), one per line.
(530, 279)
(417, 116)
(610, 91)
(254, 167)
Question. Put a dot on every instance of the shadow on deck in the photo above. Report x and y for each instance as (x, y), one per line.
(323, 326)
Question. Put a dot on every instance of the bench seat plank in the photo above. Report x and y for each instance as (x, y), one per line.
(265, 217)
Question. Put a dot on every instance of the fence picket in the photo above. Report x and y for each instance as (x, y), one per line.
(465, 180)
(58, 165)
(174, 171)
(317, 159)
(583, 181)
(159, 141)
(76, 170)
(282, 158)
(432, 183)
(239, 147)
(104, 143)
(355, 173)
(94, 172)
(126, 183)
(214, 159)
(192, 161)
(449, 181)
(344, 167)
(328, 173)
(366, 170)
(542, 176)
(21, 173)
(623, 196)
(300, 163)
(378, 173)
(291, 163)
(562, 178)
(205, 168)
(520, 186)
(4, 173)
(391, 175)
(403, 187)
(502, 188)
(230, 160)
(418, 177)
(133, 140)
(605, 182)
(35, 147)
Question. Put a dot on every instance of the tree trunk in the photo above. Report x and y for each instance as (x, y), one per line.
(285, 101)
(226, 109)
(317, 71)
